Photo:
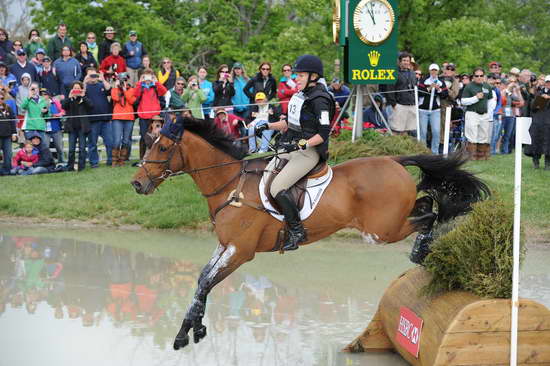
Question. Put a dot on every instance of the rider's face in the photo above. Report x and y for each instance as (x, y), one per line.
(301, 80)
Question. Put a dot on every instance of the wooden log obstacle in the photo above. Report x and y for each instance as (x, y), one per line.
(458, 328)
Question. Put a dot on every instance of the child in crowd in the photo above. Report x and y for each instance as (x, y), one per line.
(261, 113)
(45, 163)
(153, 133)
(23, 92)
(24, 160)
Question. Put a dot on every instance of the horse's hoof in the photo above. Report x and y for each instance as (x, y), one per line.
(181, 342)
(199, 333)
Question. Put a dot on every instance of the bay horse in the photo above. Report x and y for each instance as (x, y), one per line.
(377, 196)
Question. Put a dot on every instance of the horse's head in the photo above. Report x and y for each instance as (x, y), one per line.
(164, 159)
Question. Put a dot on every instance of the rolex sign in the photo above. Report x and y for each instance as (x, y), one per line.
(372, 41)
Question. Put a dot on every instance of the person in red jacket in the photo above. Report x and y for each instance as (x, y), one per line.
(227, 122)
(147, 91)
(24, 160)
(287, 87)
(113, 64)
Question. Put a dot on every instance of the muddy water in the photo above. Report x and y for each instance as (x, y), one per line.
(92, 297)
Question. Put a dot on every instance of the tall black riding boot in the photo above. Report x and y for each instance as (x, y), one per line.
(296, 232)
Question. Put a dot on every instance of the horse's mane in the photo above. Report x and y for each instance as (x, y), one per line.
(210, 132)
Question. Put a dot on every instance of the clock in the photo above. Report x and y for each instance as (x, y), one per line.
(373, 21)
(336, 22)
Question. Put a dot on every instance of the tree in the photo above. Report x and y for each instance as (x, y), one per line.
(15, 18)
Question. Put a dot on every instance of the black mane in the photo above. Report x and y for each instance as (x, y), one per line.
(213, 135)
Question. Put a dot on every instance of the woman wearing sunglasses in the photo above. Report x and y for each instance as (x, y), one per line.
(263, 82)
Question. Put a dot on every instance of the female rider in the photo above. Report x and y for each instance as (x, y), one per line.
(305, 140)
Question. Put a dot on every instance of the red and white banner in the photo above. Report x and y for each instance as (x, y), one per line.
(409, 329)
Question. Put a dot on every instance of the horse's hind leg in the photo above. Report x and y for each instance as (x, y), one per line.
(223, 262)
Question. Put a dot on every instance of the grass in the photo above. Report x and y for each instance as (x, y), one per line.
(104, 196)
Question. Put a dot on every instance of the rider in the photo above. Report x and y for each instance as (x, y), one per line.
(305, 139)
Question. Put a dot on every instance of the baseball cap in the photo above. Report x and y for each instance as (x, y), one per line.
(132, 33)
(494, 63)
(47, 59)
(335, 81)
(40, 50)
(21, 52)
(514, 70)
(109, 30)
(259, 96)
(44, 91)
(434, 67)
(547, 78)
(237, 65)
(221, 110)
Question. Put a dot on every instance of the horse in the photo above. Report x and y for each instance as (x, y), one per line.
(375, 195)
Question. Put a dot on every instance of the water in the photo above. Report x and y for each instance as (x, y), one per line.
(117, 298)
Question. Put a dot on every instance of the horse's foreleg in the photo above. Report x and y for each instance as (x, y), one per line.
(223, 262)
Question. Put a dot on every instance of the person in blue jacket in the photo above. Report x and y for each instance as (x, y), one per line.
(133, 52)
(208, 90)
(67, 69)
(240, 99)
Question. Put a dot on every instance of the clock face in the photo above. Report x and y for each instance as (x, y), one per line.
(373, 21)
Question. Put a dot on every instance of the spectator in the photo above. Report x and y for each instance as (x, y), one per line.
(23, 162)
(67, 70)
(262, 82)
(37, 109)
(105, 46)
(147, 94)
(58, 42)
(77, 106)
(464, 80)
(527, 92)
(5, 75)
(35, 43)
(226, 122)
(114, 63)
(511, 102)
(401, 97)
(54, 131)
(8, 133)
(123, 118)
(453, 88)
(371, 117)
(240, 100)
(174, 97)
(93, 49)
(22, 66)
(168, 74)
(134, 52)
(540, 128)
(97, 90)
(418, 74)
(495, 105)
(476, 126)
(45, 163)
(38, 61)
(6, 46)
(287, 87)
(194, 96)
(261, 113)
(8, 98)
(23, 92)
(495, 68)
(146, 64)
(431, 91)
(85, 58)
(206, 87)
(340, 91)
(153, 132)
(48, 79)
(223, 87)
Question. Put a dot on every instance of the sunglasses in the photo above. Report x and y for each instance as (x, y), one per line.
(18, 44)
(91, 37)
(266, 69)
(285, 70)
(166, 62)
(479, 76)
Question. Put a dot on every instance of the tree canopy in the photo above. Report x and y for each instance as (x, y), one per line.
(211, 32)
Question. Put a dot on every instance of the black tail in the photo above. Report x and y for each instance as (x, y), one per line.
(454, 189)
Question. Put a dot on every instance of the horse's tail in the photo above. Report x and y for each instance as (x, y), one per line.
(452, 188)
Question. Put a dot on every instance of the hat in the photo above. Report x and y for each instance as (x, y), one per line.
(494, 63)
(434, 67)
(3, 64)
(157, 118)
(547, 78)
(21, 52)
(132, 33)
(109, 30)
(451, 66)
(47, 59)
(40, 50)
(237, 65)
(260, 95)
(221, 110)
(514, 70)
(44, 91)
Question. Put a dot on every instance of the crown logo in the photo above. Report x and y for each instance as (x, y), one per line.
(374, 57)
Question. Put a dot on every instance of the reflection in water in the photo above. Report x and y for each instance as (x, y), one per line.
(124, 308)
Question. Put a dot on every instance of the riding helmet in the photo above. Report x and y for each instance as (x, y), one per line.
(309, 63)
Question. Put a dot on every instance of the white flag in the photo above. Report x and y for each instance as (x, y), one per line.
(524, 123)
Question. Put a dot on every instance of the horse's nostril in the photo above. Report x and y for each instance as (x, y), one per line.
(136, 185)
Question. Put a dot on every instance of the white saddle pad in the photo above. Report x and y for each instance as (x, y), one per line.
(314, 191)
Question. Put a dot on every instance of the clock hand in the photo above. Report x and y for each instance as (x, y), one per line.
(372, 13)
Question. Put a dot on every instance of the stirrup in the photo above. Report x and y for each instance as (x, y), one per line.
(294, 244)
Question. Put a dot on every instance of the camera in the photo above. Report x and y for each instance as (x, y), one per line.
(193, 84)
(94, 76)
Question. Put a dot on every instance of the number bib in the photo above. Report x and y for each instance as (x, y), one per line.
(294, 109)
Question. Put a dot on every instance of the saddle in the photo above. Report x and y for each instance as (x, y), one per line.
(298, 190)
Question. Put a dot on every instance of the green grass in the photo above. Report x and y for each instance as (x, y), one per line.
(104, 196)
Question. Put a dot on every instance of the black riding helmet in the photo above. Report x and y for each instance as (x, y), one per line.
(309, 63)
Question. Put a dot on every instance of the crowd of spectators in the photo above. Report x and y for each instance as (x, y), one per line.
(90, 90)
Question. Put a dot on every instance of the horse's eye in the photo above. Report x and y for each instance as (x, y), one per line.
(162, 149)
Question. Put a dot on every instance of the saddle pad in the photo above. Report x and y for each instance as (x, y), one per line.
(314, 191)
